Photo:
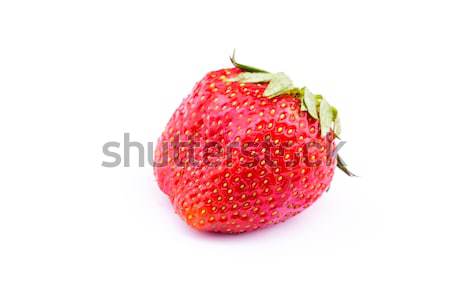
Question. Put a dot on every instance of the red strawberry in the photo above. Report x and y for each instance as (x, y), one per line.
(246, 149)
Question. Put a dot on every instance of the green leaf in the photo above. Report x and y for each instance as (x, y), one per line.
(244, 67)
(337, 122)
(318, 98)
(302, 99)
(298, 93)
(343, 166)
(279, 84)
(302, 105)
(326, 117)
(335, 112)
(248, 77)
(310, 102)
(337, 127)
(295, 92)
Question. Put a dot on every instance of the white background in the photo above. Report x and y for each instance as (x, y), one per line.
(77, 74)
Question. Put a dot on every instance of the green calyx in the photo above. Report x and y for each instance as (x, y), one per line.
(279, 84)
(315, 104)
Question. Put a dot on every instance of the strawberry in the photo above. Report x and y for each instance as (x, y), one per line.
(247, 149)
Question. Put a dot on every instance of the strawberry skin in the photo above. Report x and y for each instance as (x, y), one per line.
(278, 163)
